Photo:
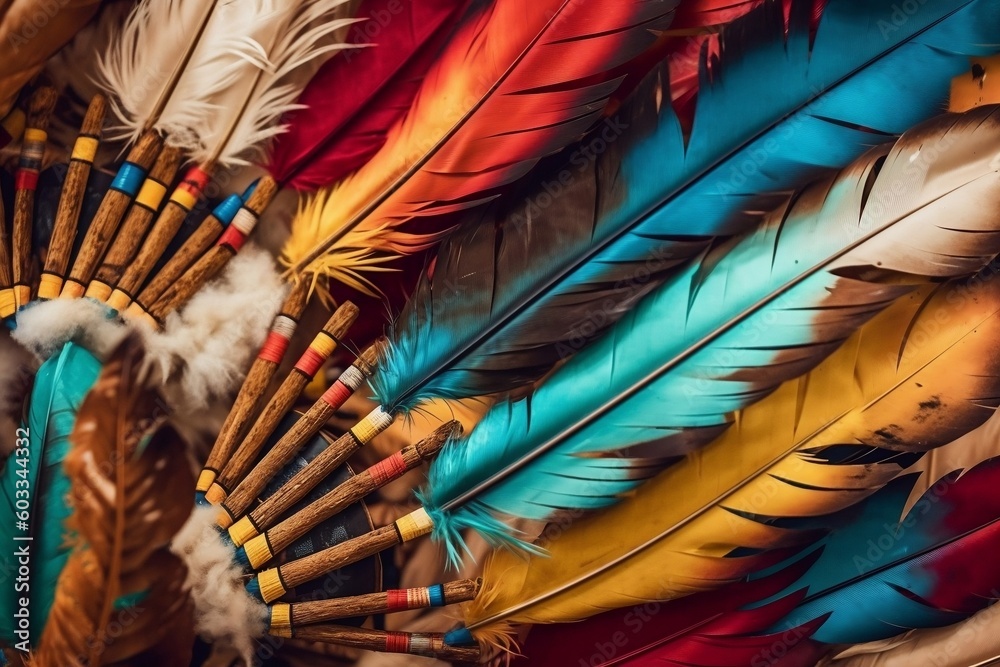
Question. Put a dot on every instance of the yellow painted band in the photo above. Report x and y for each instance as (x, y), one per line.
(281, 620)
(73, 290)
(373, 424)
(49, 286)
(216, 494)
(270, 585)
(22, 295)
(242, 531)
(151, 195)
(223, 519)
(205, 480)
(119, 300)
(33, 134)
(7, 304)
(14, 123)
(323, 344)
(98, 290)
(184, 199)
(85, 149)
(258, 550)
(414, 524)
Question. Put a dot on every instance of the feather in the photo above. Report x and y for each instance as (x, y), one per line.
(27, 41)
(820, 266)
(353, 101)
(532, 279)
(516, 83)
(212, 76)
(59, 389)
(819, 444)
(127, 471)
(881, 572)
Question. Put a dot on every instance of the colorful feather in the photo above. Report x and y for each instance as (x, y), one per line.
(30, 32)
(516, 83)
(128, 472)
(34, 475)
(916, 377)
(353, 101)
(534, 278)
(669, 376)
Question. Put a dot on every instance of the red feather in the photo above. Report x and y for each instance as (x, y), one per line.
(356, 97)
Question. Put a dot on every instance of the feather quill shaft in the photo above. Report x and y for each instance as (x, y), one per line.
(916, 377)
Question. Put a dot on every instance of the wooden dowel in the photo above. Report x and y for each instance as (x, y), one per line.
(244, 495)
(212, 262)
(258, 551)
(194, 246)
(71, 200)
(430, 645)
(131, 233)
(272, 584)
(124, 188)
(167, 224)
(286, 618)
(308, 365)
(258, 378)
(7, 303)
(43, 101)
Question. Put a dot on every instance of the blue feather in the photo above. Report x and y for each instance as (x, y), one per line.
(531, 281)
(60, 386)
(727, 330)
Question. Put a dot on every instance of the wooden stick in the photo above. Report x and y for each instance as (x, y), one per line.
(43, 101)
(12, 126)
(207, 233)
(426, 644)
(243, 496)
(285, 618)
(308, 365)
(124, 188)
(167, 224)
(274, 583)
(212, 262)
(258, 378)
(71, 200)
(131, 233)
(261, 549)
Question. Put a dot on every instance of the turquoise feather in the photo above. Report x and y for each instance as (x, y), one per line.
(514, 293)
(728, 329)
(60, 386)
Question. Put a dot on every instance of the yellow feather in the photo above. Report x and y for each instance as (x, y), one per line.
(915, 377)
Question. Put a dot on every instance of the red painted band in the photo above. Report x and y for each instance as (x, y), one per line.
(195, 180)
(397, 642)
(310, 362)
(336, 395)
(27, 179)
(388, 469)
(274, 348)
(233, 238)
(397, 600)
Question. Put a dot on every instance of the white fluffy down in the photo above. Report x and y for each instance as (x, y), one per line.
(223, 609)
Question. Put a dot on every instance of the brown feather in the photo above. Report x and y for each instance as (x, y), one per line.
(130, 479)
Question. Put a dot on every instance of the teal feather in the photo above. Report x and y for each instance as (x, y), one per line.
(60, 386)
(532, 279)
(728, 329)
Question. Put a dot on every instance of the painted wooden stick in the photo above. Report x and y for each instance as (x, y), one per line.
(258, 551)
(212, 262)
(272, 584)
(308, 365)
(7, 305)
(207, 233)
(258, 378)
(71, 199)
(430, 645)
(43, 101)
(245, 494)
(131, 232)
(12, 126)
(167, 224)
(124, 188)
(287, 618)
